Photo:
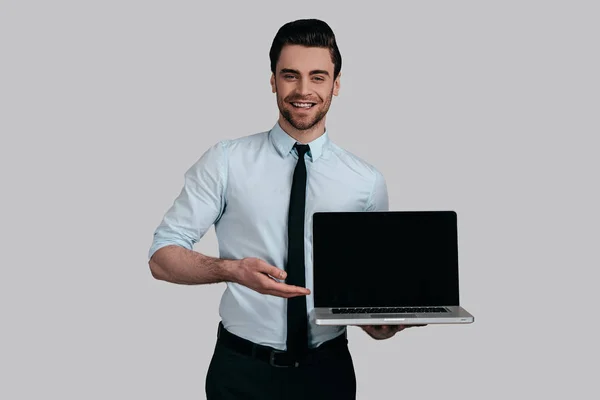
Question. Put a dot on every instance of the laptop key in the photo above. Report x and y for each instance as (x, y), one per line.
(380, 310)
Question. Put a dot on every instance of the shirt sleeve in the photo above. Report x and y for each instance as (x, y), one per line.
(199, 205)
(378, 201)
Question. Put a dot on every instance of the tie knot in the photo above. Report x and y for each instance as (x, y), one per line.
(302, 149)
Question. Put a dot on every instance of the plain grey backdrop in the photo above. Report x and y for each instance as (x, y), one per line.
(487, 108)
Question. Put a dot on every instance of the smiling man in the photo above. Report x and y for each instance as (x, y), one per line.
(260, 192)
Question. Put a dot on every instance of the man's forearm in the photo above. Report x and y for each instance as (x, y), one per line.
(187, 267)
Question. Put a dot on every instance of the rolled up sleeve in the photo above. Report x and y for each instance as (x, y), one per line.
(199, 205)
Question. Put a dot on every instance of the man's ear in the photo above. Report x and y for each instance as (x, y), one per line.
(273, 87)
(336, 84)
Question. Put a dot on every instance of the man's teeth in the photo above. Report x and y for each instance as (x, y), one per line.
(303, 105)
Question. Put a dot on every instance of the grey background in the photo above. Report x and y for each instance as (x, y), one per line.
(487, 108)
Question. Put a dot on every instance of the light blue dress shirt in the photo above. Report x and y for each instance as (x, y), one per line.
(243, 186)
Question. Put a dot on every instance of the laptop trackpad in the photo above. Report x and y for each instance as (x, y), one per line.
(398, 316)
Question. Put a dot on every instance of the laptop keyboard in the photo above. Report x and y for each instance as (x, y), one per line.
(400, 310)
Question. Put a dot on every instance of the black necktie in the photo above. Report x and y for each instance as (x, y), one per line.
(297, 322)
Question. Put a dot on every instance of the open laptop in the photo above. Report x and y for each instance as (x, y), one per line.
(386, 268)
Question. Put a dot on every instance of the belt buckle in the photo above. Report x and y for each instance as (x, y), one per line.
(274, 364)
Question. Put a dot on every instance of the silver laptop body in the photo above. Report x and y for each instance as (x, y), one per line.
(386, 268)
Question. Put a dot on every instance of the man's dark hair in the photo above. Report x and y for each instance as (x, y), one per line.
(310, 33)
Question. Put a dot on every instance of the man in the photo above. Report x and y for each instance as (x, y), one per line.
(260, 192)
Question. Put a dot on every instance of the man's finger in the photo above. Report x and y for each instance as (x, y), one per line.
(285, 295)
(275, 272)
(285, 288)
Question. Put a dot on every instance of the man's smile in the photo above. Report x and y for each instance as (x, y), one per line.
(304, 105)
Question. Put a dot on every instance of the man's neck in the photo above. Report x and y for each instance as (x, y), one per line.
(303, 136)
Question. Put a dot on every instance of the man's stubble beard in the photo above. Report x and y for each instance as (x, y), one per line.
(303, 125)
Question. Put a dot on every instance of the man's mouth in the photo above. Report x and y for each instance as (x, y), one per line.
(302, 105)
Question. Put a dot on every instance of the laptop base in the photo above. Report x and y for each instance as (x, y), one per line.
(455, 315)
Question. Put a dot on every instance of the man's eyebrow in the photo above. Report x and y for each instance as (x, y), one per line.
(319, 72)
(295, 71)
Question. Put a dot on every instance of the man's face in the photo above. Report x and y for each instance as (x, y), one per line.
(304, 84)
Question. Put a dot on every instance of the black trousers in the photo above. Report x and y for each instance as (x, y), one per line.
(328, 374)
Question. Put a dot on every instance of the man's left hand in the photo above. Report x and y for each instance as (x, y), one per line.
(380, 332)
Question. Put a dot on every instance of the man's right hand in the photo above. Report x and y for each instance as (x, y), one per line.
(260, 276)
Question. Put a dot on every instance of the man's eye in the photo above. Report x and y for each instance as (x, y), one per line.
(289, 76)
(318, 78)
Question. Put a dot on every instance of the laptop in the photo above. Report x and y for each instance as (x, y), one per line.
(386, 268)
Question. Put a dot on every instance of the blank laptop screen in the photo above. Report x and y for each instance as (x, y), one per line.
(385, 259)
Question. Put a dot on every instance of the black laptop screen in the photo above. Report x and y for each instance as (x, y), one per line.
(385, 259)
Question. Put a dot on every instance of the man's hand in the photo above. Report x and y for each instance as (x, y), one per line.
(380, 332)
(262, 277)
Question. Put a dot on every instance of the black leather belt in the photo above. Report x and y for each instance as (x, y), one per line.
(275, 357)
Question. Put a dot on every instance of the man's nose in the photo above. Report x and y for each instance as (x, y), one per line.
(303, 87)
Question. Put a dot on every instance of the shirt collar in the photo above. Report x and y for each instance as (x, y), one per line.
(284, 143)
